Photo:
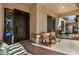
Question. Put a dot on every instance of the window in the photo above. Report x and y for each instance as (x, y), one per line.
(51, 21)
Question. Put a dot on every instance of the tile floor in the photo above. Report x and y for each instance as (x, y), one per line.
(70, 47)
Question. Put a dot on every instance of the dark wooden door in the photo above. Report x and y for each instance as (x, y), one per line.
(21, 25)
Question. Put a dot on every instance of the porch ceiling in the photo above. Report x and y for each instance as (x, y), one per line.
(60, 7)
(56, 7)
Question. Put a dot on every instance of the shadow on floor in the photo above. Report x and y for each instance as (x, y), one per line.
(35, 50)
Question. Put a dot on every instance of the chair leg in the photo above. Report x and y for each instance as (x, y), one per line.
(54, 40)
(45, 41)
(59, 40)
(50, 42)
(42, 41)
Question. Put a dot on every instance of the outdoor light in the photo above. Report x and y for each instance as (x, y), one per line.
(62, 6)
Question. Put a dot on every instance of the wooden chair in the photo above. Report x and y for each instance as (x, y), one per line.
(43, 37)
(33, 37)
(58, 36)
(52, 38)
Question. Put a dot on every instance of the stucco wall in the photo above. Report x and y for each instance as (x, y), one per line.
(33, 19)
(42, 13)
(1, 22)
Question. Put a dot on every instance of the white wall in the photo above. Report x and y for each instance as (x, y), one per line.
(42, 13)
(33, 19)
(41, 19)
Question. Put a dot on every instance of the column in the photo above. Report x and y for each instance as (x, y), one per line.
(1, 21)
(78, 23)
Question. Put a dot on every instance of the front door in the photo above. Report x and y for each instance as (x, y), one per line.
(22, 26)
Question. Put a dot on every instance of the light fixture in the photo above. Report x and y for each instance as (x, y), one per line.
(62, 6)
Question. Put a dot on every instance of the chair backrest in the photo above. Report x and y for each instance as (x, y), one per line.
(53, 33)
(43, 35)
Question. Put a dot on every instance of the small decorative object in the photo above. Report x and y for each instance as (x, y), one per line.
(4, 49)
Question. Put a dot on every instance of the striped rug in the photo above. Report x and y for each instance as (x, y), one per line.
(18, 49)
